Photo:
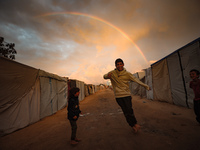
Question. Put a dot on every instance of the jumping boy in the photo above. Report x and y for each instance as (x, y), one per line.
(120, 81)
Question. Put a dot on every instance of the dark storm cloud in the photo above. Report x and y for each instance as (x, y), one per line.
(158, 27)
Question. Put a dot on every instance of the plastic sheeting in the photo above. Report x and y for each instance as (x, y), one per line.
(19, 96)
(176, 80)
(171, 75)
(180, 63)
(190, 58)
(134, 87)
(161, 82)
(27, 95)
(137, 89)
(148, 81)
(15, 80)
(86, 90)
(53, 95)
(91, 89)
(81, 86)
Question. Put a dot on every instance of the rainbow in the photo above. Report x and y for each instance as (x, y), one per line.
(101, 20)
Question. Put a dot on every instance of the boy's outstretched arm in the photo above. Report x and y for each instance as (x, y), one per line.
(107, 76)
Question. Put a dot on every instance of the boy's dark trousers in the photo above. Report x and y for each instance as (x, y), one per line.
(74, 129)
(126, 105)
(197, 109)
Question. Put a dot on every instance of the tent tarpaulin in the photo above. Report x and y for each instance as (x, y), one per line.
(176, 80)
(16, 80)
(161, 82)
(86, 90)
(53, 93)
(171, 75)
(148, 81)
(24, 95)
(19, 95)
(137, 89)
(134, 87)
(91, 89)
(81, 85)
(190, 59)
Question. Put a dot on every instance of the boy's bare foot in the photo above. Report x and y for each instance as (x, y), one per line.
(73, 142)
(77, 140)
(136, 127)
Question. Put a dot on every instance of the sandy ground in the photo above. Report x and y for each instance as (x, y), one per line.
(103, 127)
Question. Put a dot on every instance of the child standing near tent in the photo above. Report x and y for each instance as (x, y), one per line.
(73, 113)
(195, 85)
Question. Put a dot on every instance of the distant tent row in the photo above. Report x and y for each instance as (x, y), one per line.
(28, 94)
(169, 77)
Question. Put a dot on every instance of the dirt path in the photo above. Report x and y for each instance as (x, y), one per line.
(103, 127)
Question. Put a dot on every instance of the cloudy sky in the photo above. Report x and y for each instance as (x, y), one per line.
(81, 39)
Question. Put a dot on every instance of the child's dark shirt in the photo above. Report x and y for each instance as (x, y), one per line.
(73, 108)
(196, 88)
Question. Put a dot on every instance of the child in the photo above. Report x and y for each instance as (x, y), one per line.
(195, 85)
(120, 78)
(73, 113)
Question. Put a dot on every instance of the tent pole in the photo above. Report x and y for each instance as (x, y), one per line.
(186, 95)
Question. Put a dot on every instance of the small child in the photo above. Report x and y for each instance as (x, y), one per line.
(73, 113)
(195, 85)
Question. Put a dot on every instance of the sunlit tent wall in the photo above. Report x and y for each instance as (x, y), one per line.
(27, 95)
(134, 87)
(97, 88)
(80, 84)
(54, 92)
(86, 90)
(171, 75)
(91, 89)
(137, 89)
(148, 81)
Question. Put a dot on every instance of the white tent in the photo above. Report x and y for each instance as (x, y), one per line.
(80, 84)
(134, 87)
(97, 88)
(171, 75)
(137, 89)
(148, 81)
(54, 93)
(86, 90)
(28, 95)
(91, 89)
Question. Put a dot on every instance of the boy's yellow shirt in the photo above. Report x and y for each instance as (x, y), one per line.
(120, 82)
